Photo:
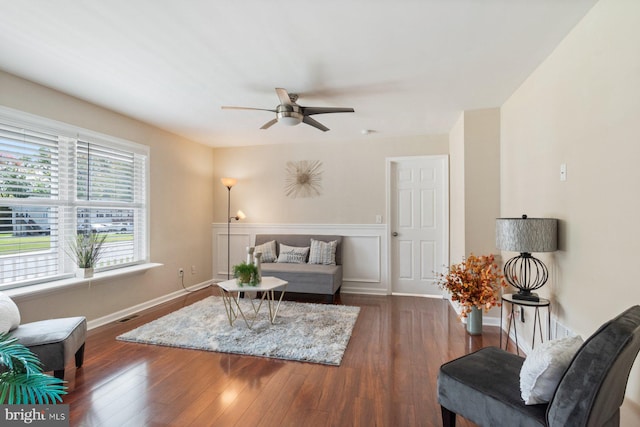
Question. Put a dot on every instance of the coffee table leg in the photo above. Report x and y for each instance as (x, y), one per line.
(230, 300)
(232, 314)
(238, 309)
(273, 308)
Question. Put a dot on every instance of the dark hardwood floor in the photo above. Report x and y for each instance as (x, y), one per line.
(387, 376)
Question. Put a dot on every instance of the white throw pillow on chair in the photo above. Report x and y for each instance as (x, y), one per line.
(9, 314)
(543, 368)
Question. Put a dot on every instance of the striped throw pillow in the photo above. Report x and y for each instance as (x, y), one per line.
(268, 250)
(323, 252)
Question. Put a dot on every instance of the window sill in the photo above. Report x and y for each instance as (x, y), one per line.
(57, 285)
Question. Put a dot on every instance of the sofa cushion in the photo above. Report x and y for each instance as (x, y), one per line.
(323, 252)
(9, 314)
(307, 278)
(268, 250)
(292, 254)
(543, 368)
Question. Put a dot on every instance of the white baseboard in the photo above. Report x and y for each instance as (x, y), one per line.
(91, 324)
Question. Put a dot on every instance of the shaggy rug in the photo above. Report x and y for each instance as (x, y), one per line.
(317, 333)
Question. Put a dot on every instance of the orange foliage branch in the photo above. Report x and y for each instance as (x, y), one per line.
(475, 282)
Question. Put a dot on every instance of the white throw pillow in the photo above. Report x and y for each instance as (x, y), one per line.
(268, 250)
(323, 252)
(543, 368)
(292, 254)
(9, 314)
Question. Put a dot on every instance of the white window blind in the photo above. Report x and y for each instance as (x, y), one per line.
(53, 186)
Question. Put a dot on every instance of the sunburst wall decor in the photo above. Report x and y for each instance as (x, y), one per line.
(304, 179)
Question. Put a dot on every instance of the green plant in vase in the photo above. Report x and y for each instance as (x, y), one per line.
(87, 249)
(246, 274)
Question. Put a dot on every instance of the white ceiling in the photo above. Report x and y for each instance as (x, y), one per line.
(408, 67)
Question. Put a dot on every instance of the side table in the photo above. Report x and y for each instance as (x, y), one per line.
(537, 323)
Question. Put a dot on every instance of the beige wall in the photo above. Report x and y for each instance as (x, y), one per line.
(457, 230)
(475, 182)
(353, 179)
(474, 143)
(181, 200)
(582, 107)
(481, 179)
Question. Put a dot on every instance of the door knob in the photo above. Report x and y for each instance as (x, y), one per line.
(394, 234)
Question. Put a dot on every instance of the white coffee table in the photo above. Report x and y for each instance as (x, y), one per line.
(230, 291)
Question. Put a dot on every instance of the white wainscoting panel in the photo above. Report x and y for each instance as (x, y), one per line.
(238, 242)
(365, 267)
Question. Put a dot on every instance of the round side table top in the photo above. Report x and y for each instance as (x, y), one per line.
(542, 303)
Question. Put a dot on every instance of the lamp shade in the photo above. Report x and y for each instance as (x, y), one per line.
(526, 235)
(229, 182)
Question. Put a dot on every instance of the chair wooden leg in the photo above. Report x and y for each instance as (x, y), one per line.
(448, 417)
(80, 356)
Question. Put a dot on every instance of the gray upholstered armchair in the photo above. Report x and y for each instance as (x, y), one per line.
(55, 342)
(484, 386)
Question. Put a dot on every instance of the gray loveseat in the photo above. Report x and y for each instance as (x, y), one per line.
(304, 277)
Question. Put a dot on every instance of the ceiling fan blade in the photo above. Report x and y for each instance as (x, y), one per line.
(269, 124)
(311, 122)
(283, 96)
(224, 107)
(307, 111)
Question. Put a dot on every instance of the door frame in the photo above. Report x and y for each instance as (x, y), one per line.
(388, 162)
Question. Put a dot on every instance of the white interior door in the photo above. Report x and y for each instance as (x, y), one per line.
(419, 223)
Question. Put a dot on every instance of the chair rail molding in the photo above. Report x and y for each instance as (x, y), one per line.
(365, 268)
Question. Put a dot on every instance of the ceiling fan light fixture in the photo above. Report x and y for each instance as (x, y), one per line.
(289, 118)
(289, 113)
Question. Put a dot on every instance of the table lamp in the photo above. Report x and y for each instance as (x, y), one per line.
(526, 235)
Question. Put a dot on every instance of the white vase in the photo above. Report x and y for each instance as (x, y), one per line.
(84, 273)
(258, 263)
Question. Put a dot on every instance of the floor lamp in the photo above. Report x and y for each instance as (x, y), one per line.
(230, 182)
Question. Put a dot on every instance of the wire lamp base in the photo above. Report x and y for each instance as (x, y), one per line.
(526, 274)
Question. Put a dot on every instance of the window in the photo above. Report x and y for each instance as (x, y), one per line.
(54, 185)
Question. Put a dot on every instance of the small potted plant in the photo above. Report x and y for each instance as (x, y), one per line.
(475, 285)
(87, 249)
(246, 274)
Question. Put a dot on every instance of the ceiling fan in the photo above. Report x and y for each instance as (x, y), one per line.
(289, 113)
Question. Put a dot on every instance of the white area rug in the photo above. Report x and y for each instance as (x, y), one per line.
(317, 333)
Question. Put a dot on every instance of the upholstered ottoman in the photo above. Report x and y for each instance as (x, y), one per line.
(54, 341)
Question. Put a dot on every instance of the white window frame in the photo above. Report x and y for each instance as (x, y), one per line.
(70, 134)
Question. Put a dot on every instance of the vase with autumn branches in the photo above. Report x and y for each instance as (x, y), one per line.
(474, 284)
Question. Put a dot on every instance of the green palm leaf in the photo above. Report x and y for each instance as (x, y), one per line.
(21, 378)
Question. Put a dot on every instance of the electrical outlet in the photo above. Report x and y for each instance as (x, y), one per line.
(180, 272)
(193, 269)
